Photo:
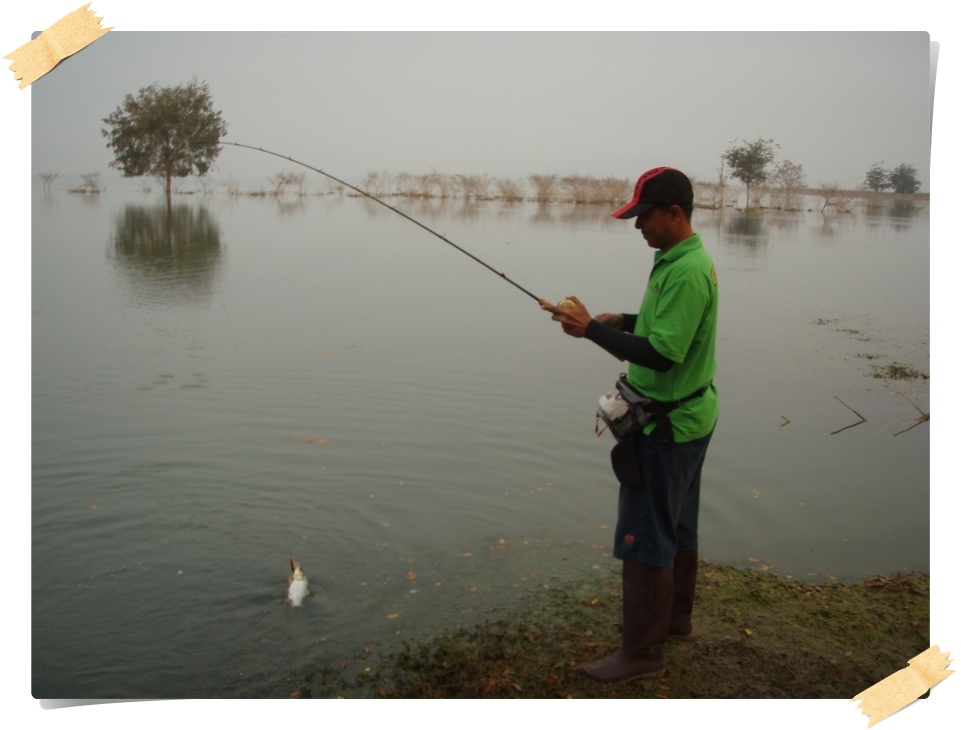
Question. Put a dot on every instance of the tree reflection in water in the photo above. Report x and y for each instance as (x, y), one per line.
(166, 254)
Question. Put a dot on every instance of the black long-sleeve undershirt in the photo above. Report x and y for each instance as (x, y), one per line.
(624, 344)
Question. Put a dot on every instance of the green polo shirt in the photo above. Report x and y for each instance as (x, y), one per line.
(679, 318)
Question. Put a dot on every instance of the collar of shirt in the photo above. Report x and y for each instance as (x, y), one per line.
(675, 252)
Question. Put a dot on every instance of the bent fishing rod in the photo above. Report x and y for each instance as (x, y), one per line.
(443, 238)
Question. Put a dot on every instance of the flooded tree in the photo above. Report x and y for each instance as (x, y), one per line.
(544, 186)
(904, 179)
(376, 183)
(788, 179)
(47, 178)
(587, 189)
(284, 180)
(439, 182)
(577, 188)
(472, 186)
(90, 185)
(508, 189)
(165, 132)
(877, 178)
(612, 190)
(834, 196)
(749, 162)
(406, 185)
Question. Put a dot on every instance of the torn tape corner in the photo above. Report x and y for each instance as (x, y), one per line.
(900, 689)
(73, 32)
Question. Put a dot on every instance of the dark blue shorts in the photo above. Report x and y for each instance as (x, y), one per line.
(659, 517)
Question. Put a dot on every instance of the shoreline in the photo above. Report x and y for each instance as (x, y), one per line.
(756, 635)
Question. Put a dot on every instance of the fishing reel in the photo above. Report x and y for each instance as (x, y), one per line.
(563, 303)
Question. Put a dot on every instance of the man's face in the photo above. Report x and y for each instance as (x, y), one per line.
(657, 225)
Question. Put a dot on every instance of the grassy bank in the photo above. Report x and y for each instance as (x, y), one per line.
(756, 636)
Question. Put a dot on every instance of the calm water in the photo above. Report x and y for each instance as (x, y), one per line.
(243, 381)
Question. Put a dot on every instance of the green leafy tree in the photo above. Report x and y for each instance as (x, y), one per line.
(749, 161)
(165, 132)
(877, 178)
(904, 179)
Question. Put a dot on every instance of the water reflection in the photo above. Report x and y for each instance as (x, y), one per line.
(290, 206)
(431, 209)
(828, 228)
(789, 225)
(588, 214)
(543, 214)
(421, 207)
(467, 211)
(166, 254)
(746, 228)
(902, 209)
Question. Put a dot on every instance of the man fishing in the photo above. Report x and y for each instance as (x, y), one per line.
(669, 346)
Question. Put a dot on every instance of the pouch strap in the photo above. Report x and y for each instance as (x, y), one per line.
(678, 403)
(664, 429)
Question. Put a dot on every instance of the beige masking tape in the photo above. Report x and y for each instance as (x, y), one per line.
(899, 690)
(71, 33)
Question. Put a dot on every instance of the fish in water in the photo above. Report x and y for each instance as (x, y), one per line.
(297, 589)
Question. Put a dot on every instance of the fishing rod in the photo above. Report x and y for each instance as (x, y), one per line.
(443, 238)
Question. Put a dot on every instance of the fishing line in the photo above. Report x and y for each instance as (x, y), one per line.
(443, 238)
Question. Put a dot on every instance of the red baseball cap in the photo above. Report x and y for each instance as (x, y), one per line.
(658, 186)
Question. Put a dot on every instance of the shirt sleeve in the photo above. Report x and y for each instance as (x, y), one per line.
(627, 346)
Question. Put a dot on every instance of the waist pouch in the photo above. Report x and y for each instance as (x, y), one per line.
(626, 412)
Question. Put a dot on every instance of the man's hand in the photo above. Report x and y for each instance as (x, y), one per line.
(611, 320)
(574, 320)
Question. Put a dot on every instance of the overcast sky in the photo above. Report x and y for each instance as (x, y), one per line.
(503, 105)
(512, 104)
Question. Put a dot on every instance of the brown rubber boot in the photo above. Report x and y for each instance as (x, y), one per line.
(685, 581)
(648, 592)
